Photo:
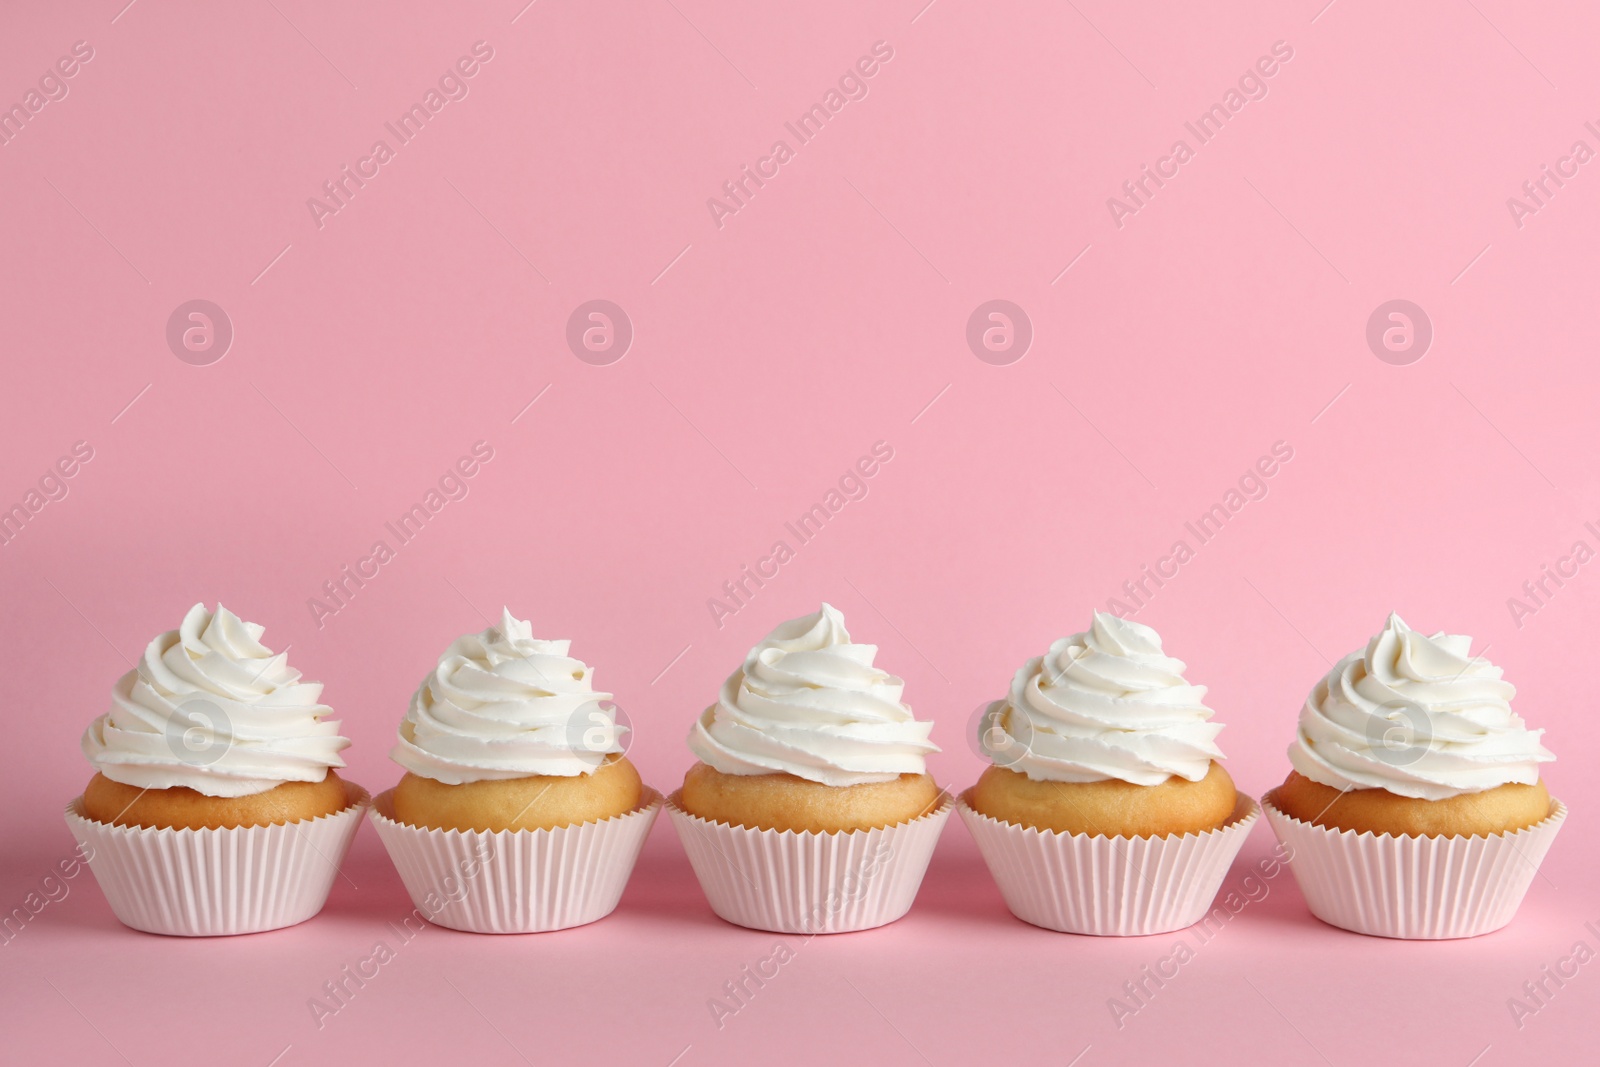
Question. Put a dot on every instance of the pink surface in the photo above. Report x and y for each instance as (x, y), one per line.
(1173, 341)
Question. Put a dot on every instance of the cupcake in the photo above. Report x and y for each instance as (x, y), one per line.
(811, 809)
(1106, 809)
(1414, 808)
(518, 812)
(215, 807)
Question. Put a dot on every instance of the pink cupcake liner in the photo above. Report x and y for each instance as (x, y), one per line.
(1418, 888)
(516, 881)
(1109, 886)
(205, 883)
(809, 883)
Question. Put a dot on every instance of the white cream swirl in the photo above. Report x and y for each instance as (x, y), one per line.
(212, 708)
(1418, 716)
(1103, 704)
(809, 702)
(503, 704)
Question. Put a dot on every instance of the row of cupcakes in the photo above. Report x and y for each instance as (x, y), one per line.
(1414, 808)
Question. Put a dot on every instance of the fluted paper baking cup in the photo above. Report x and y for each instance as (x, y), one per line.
(809, 883)
(1109, 886)
(516, 881)
(1417, 888)
(204, 883)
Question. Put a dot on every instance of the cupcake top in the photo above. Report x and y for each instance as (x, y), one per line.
(212, 708)
(809, 702)
(1418, 716)
(503, 704)
(1103, 704)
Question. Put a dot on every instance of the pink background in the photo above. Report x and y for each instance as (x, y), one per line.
(829, 313)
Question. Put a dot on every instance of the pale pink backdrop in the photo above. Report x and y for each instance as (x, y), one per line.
(830, 312)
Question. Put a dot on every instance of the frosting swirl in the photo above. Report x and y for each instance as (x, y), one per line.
(1106, 703)
(809, 702)
(1418, 716)
(503, 704)
(212, 708)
